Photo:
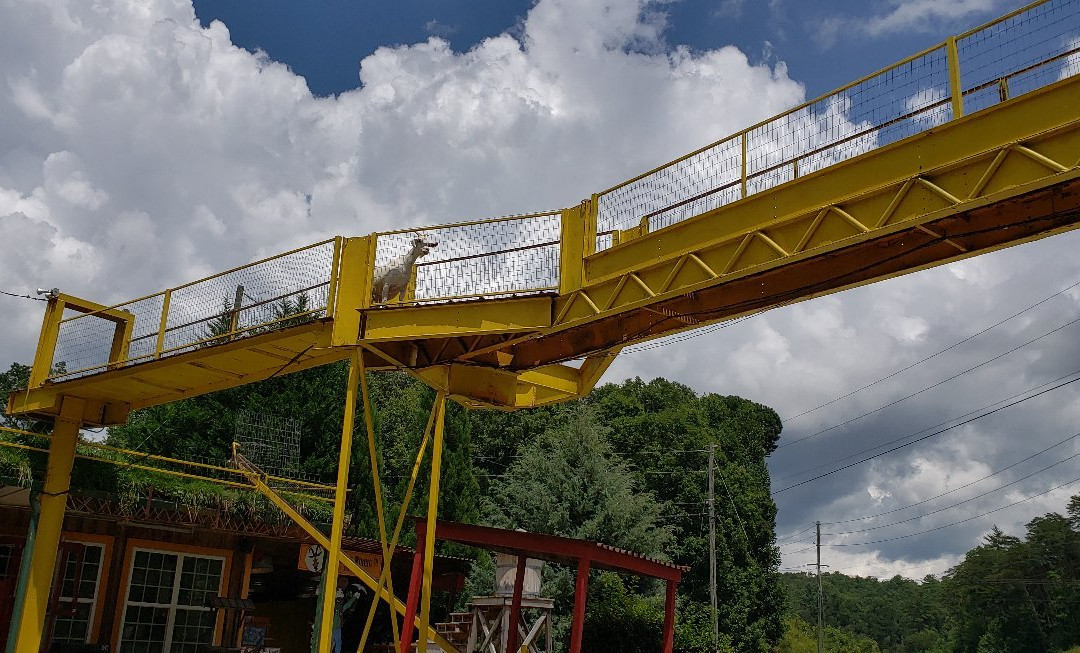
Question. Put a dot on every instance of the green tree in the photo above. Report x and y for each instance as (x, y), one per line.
(17, 377)
(801, 637)
(665, 429)
(569, 482)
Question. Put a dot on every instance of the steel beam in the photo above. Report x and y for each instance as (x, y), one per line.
(338, 524)
(432, 516)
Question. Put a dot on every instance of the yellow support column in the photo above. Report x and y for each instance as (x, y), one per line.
(572, 247)
(53, 503)
(344, 459)
(385, 571)
(956, 91)
(432, 514)
(388, 554)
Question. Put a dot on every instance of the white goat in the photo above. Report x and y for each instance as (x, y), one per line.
(391, 279)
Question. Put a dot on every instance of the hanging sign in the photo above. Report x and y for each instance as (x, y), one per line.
(313, 558)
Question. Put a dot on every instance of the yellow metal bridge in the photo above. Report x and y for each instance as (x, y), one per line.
(964, 148)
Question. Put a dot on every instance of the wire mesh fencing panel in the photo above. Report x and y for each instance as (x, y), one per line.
(271, 294)
(84, 341)
(1000, 60)
(1020, 53)
(274, 293)
(907, 98)
(270, 442)
(896, 103)
(696, 183)
(501, 257)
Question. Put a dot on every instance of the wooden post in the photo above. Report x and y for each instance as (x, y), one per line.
(234, 317)
(515, 606)
(581, 588)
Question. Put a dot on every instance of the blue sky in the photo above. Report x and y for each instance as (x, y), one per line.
(324, 41)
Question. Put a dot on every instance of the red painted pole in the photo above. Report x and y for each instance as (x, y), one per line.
(581, 589)
(407, 627)
(669, 618)
(515, 607)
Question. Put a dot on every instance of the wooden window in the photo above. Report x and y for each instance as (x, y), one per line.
(166, 608)
(78, 592)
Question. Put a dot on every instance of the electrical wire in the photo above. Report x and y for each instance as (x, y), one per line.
(935, 354)
(731, 499)
(796, 534)
(957, 523)
(932, 386)
(800, 541)
(924, 430)
(11, 294)
(959, 503)
(955, 489)
(867, 564)
(926, 437)
(795, 553)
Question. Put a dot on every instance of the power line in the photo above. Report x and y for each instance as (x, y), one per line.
(956, 489)
(935, 354)
(795, 553)
(799, 541)
(925, 437)
(11, 294)
(731, 499)
(932, 386)
(797, 533)
(959, 503)
(924, 430)
(957, 523)
(683, 337)
(867, 564)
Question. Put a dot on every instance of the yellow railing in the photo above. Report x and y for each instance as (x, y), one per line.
(1021, 51)
(277, 291)
(499, 257)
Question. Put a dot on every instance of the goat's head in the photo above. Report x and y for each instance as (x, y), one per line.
(421, 247)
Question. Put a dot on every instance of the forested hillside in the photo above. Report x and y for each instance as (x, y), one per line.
(1009, 594)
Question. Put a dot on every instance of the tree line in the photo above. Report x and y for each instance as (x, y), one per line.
(1008, 595)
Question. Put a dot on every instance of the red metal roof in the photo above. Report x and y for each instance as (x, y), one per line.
(554, 548)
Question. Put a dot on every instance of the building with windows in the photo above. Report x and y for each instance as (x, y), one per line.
(163, 577)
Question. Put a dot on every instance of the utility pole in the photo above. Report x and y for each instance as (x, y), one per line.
(712, 549)
(820, 594)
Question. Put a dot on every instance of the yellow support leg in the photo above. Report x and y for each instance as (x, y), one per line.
(396, 605)
(53, 503)
(387, 553)
(432, 514)
(385, 573)
(344, 459)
